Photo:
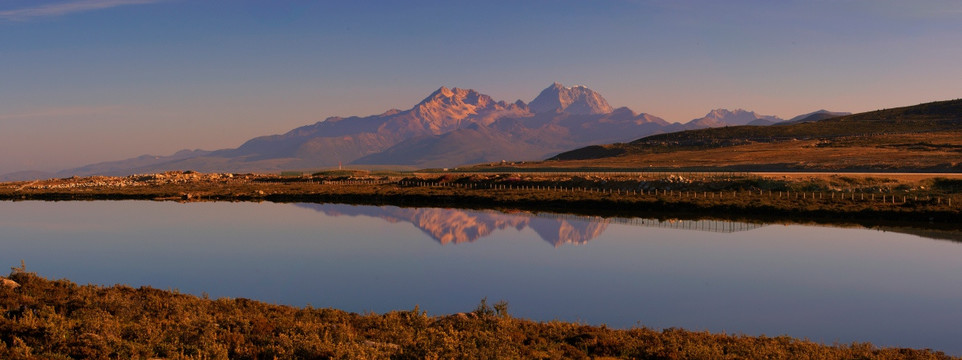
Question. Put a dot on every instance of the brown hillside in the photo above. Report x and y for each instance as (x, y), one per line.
(926, 137)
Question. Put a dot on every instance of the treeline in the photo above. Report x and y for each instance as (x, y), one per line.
(44, 319)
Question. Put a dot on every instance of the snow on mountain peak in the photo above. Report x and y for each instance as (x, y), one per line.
(725, 117)
(573, 100)
(453, 97)
(447, 109)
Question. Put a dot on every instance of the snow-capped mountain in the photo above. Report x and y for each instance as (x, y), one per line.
(578, 100)
(724, 117)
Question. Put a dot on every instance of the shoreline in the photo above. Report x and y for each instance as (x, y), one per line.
(951, 231)
(869, 202)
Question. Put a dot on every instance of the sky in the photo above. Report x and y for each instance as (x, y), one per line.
(85, 81)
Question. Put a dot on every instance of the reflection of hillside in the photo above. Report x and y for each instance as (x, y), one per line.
(459, 226)
(937, 234)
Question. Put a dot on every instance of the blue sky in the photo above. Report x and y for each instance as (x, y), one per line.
(83, 81)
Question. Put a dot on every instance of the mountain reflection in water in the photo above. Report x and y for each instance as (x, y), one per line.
(456, 226)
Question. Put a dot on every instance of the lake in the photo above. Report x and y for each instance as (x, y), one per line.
(821, 283)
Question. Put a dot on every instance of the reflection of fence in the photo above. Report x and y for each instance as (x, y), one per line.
(804, 197)
(700, 225)
(585, 173)
(719, 226)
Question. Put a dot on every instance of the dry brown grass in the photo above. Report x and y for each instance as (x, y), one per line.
(906, 152)
(46, 319)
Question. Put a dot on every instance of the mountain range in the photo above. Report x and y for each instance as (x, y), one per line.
(450, 127)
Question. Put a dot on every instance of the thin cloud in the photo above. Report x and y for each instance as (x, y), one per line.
(65, 8)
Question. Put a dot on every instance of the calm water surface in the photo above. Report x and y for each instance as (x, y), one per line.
(825, 284)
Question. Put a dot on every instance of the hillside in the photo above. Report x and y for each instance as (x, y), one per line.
(815, 116)
(921, 137)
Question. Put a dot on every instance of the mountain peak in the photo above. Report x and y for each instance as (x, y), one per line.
(443, 91)
(445, 97)
(446, 109)
(573, 100)
(725, 117)
(726, 112)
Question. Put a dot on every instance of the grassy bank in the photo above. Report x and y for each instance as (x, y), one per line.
(44, 319)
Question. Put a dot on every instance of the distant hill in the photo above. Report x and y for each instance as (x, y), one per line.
(26, 175)
(139, 162)
(925, 136)
(815, 116)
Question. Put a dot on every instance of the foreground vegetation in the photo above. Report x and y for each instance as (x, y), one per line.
(43, 319)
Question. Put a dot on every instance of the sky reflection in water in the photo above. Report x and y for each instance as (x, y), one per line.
(826, 284)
